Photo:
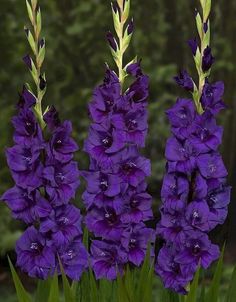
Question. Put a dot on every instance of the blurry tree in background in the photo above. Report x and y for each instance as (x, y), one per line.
(76, 52)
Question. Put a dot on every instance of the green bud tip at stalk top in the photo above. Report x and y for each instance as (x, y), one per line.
(124, 31)
(37, 46)
(203, 28)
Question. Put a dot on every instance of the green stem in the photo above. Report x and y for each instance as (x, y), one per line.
(121, 43)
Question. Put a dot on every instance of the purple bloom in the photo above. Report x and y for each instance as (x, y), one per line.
(173, 226)
(61, 182)
(103, 142)
(170, 271)
(34, 256)
(51, 118)
(25, 205)
(206, 135)
(185, 81)
(207, 59)
(135, 241)
(74, 259)
(193, 45)
(211, 166)
(197, 215)
(116, 195)
(212, 97)
(137, 93)
(133, 124)
(137, 208)
(111, 40)
(107, 259)
(130, 27)
(132, 167)
(27, 99)
(25, 165)
(175, 187)
(134, 69)
(63, 223)
(197, 249)
(105, 97)
(181, 117)
(194, 194)
(104, 222)
(28, 61)
(181, 156)
(61, 146)
(27, 130)
(100, 183)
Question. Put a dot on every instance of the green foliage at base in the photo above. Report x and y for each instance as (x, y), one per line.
(137, 285)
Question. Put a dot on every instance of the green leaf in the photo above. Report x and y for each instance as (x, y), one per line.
(41, 55)
(126, 10)
(121, 290)
(206, 10)
(39, 21)
(231, 294)
(192, 295)
(34, 3)
(22, 294)
(213, 292)
(126, 40)
(68, 292)
(199, 24)
(43, 289)
(86, 238)
(143, 275)
(84, 288)
(94, 294)
(147, 296)
(116, 20)
(30, 39)
(30, 12)
(54, 289)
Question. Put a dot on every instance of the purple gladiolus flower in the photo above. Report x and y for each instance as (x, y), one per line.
(26, 205)
(51, 118)
(197, 248)
(212, 97)
(111, 40)
(134, 241)
(27, 130)
(61, 182)
(46, 179)
(61, 146)
(185, 81)
(116, 195)
(195, 196)
(34, 256)
(63, 223)
(172, 273)
(207, 59)
(108, 259)
(193, 45)
(74, 259)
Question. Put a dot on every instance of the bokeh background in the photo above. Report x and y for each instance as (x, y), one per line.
(76, 52)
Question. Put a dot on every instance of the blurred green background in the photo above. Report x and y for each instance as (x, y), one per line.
(76, 52)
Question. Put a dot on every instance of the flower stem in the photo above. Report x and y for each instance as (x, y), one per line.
(120, 10)
(38, 47)
(203, 26)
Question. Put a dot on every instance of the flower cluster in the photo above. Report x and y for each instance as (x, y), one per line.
(116, 196)
(46, 179)
(194, 192)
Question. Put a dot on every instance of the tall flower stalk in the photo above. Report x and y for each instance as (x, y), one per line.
(195, 195)
(45, 175)
(116, 197)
